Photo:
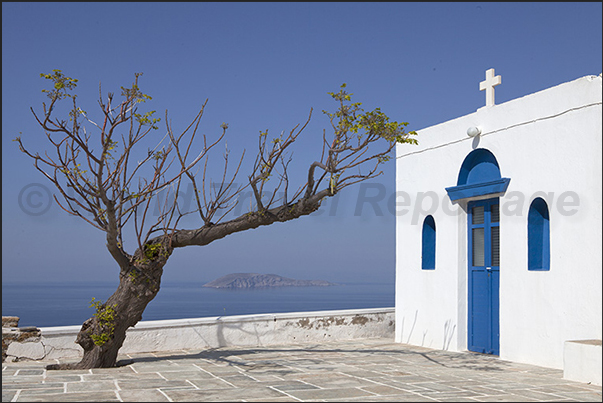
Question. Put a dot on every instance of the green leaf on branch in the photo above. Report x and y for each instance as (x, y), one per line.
(61, 84)
(147, 119)
(352, 118)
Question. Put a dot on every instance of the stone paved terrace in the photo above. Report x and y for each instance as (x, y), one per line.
(366, 370)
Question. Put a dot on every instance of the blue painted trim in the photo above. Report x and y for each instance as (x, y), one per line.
(488, 298)
(539, 252)
(479, 166)
(478, 189)
(428, 244)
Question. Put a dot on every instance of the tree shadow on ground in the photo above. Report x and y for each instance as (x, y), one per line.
(244, 358)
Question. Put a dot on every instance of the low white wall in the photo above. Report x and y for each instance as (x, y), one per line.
(223, 331)
(582, 361)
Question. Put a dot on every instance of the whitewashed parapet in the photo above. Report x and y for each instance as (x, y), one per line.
(223, 331)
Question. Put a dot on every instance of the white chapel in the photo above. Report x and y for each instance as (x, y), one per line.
(498, 228)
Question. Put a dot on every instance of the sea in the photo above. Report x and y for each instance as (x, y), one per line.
(66, 304)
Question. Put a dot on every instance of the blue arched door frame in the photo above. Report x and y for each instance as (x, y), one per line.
(480, 176)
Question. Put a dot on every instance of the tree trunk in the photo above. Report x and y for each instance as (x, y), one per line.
(102, 335)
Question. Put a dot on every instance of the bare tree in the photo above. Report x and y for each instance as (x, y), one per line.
(107, 180)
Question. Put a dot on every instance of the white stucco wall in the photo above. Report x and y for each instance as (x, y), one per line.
(547, 142)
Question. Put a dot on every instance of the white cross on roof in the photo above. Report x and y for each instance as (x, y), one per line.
(488, 85)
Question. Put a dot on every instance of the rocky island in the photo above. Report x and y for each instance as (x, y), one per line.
(255, 280)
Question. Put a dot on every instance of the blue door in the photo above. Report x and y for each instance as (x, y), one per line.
(484, 275)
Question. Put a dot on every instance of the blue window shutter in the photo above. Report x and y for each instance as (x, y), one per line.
(539, 255)
(428, 244)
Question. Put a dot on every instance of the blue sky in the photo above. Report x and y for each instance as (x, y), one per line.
(263, 66)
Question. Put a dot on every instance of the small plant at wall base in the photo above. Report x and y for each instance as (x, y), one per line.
(112, 173)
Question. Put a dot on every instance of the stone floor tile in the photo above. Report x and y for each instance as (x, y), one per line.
(57, 377)
(485, 390)
(153, 367)
(28, 392)
(151, 384)
(30, 372)
(222, 371)
(234, 394)
(137, 395)
(183, 375)
(462, 383)
(69, 371)
(274, 399)
(286, 386)
(8, 395)
(239, 379)
(450, 395)
(392, 398)
(214, 383)
(7, 371)
(523, 379)
(279, 373)
(265, 377)
(22, 379)
(383, 390)
(90, 386)
(71, 397)
(119, 370)
(446, 376)
(340, 382)
(408, 387)
(411, 379)
(436, 387)
(585, 396)
(535, 394)
(362, 373)
(34, 385)
(567, 387)
(336, 393)
(121, 376)
(504, 398)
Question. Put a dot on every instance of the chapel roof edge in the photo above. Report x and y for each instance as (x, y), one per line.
(485, 109)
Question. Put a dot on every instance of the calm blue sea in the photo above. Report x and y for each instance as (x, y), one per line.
(44, 305)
